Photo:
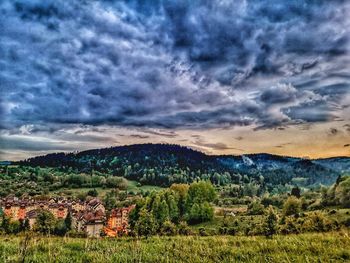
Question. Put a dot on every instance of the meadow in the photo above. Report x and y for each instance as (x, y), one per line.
(311, 247)
(132, 186)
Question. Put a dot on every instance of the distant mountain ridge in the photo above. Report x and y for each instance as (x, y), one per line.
(163, 164)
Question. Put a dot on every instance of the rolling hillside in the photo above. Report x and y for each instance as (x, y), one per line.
(163, 164)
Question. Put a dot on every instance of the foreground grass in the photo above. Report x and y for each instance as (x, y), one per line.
(328, 247)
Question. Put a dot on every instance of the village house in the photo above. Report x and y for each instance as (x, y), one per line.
(118, 221)
(88, 216)
(90, 222)
(17, 209)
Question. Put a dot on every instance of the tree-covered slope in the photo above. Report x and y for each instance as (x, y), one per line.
(164, 164)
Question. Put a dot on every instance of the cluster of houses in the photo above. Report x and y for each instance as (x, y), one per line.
(88, 216)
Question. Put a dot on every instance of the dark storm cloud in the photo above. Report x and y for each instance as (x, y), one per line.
(313, 111)
(172, 64)
(279, 94)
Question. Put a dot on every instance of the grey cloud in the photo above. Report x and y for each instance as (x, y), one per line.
(279, 94)
(168, 134)
(313, 111)
(347, 127)
(32, 145)
(282, 145)
(333, 131)
(172, 64)
(139, 136)
(214, 146)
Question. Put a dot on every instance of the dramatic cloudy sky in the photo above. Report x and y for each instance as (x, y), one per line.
(221, 76)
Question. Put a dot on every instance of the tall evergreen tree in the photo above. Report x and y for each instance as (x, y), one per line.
(163, 212)
(45, 222)
(146, 224)
(295, 192)
(5, 223)
(271, 223)
(174, 213)
(68, 221)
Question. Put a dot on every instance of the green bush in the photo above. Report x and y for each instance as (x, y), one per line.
(256, 208)
(184, 229)
(168, 228)
(202, 231)
(290, 227)
(292, 206)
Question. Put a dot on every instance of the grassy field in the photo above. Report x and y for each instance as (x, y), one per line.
(328, 247)
(132, 187)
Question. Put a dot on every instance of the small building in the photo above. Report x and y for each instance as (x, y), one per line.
(31, 216)
(118, 221)
(88, 216)
(90, 222)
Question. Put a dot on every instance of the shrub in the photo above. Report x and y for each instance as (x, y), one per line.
(290, 227)
(332, 212)
(60, 228)
(223, 230)
(200, 213)
(318, 222)
(45, 222)
(292, 206)
(168, 228)
(347, 222)
(116, 182)
(14, 227)
(92, 193)
(146, 224)
(183, 228)
(256, 208)
(231, 231)
(342, 192)
(202, 231)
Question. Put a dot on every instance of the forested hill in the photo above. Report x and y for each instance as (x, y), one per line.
(164, 164)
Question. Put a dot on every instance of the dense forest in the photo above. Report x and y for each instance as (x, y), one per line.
(164, 164)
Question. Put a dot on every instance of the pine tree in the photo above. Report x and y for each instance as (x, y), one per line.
(45, 222)
(68, 221)
(174, 212)
(291, 206)
(156, 206)
(207, 212)
(146, 224)
(26, 224)
(194, 214)
(110, 200)
(163, 213)
(5, 223)
(271, 223)
(295, 192)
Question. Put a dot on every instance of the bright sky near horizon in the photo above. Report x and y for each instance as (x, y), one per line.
(220, 76)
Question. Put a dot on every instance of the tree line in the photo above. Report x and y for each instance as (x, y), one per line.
(170, 211)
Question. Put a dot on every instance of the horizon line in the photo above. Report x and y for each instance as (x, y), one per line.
(184, 146)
